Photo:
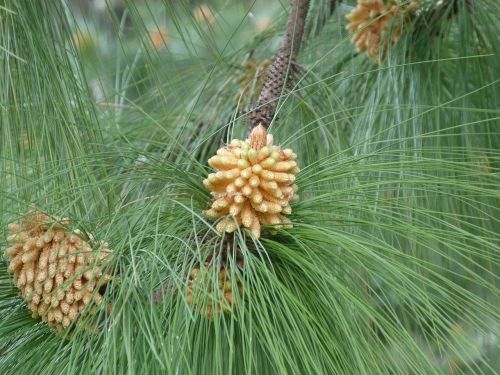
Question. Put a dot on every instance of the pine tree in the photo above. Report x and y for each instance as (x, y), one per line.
(249, 187)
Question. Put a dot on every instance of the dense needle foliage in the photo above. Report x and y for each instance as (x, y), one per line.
(109, 115)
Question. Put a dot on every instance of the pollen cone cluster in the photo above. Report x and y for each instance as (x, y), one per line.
(212, 295)
(58, 274)
(369, 22)
(253, 185)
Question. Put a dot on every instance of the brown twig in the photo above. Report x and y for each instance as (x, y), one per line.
(278, 73)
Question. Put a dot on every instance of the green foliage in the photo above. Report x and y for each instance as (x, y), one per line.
(393, 261)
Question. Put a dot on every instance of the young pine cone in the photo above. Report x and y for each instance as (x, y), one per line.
(206, 296)
(253, 185)
(58, 274)
(369, 22)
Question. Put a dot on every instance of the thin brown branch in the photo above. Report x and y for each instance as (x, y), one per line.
(279, 71)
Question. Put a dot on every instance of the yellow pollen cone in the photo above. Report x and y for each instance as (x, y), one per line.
(253, 183)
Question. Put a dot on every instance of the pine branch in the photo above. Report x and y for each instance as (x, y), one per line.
(278, 75)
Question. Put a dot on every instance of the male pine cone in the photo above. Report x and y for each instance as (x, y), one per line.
(212, 296)
(254, 183)
(58, 273)
(370, 22)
